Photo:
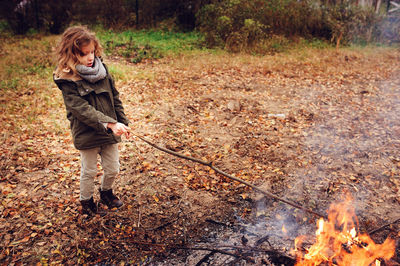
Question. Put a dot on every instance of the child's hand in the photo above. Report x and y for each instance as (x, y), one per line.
(128, 133)
(118, 129)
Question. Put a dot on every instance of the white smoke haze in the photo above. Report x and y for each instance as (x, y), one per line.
(389, 28)
(354, 146)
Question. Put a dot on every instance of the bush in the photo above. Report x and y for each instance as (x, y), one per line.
(132, 52)
(351, 23)
(242, 25)
(231, 24)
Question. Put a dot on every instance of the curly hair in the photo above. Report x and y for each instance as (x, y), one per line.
(70, 47)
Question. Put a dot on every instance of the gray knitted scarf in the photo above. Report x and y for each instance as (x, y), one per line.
(94, 73)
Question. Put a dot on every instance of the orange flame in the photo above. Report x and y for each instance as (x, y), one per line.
(337, 241)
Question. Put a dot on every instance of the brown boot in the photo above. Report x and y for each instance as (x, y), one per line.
(89, 207)
(108, 198)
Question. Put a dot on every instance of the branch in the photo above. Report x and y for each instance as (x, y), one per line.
(209, 164)
(214, 250)
(383, 226)
(205, 258)
(237, 251)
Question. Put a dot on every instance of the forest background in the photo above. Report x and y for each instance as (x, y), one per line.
(233, 24)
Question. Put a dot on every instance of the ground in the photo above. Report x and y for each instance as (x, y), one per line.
(307, 126)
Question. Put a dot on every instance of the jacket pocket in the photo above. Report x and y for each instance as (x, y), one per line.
(84, 89)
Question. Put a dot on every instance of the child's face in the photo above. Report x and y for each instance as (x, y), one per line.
(87, 56)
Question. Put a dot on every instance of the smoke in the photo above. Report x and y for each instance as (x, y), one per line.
(389, 29)
(353, 146)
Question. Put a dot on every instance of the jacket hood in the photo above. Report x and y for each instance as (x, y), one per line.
(63, 80)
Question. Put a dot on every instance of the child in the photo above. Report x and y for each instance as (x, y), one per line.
(95, 112)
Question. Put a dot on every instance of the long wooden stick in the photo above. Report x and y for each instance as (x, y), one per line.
(239, 256)
(383, 227)
(209, 164)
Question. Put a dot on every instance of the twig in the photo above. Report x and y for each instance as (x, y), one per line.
(383, 226)
(165, 224)
(209, 164)
(140, 216)
(217, 223)
(215, 250)
(218, 249)
(262, 240)
(244, 257)
(205, 258)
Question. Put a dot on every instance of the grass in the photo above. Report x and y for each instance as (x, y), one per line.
(164, 41)
(32, 107)
(27, 93)
(137, 46)
(26, 63)
(23, 59)
(124, 73)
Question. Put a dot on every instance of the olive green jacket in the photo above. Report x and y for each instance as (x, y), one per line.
(89, 106)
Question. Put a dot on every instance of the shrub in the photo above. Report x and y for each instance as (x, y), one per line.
(207, 19)
(253, 31)
(231, 24)
(239, 24)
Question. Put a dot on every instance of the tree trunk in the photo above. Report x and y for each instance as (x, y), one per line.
(137, 12)
(36, 7)
(338, 40)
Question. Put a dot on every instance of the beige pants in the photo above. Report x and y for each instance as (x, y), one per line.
(109, 156)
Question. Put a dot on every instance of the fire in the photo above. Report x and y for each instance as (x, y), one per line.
(338, 242)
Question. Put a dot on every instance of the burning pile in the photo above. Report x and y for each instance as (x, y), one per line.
(338, 243)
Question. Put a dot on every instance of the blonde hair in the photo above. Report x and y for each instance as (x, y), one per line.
(70, 47)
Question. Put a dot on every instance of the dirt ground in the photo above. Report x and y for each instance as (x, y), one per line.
(308, 128)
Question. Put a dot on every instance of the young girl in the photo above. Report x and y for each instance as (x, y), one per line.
(94, 110)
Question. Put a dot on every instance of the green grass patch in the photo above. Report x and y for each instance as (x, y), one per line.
(137, 46)
(24, 61)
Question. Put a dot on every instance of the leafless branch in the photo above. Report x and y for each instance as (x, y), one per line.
(209, 164)
(383, 226)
